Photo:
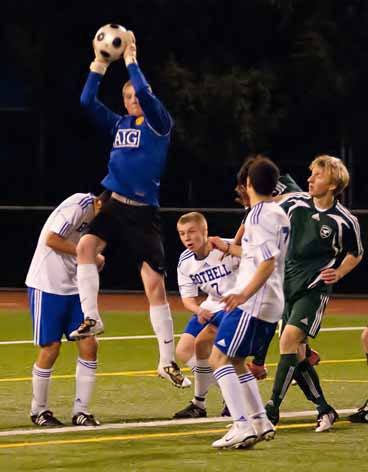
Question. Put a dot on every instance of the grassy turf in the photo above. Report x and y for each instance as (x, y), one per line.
(141, 397)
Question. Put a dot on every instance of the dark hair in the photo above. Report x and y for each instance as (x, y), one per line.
(104, 196)
(241, 176)
(263, 175)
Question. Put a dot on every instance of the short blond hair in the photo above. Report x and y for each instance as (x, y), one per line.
(127, 84)
(336, 169)
(193, 217)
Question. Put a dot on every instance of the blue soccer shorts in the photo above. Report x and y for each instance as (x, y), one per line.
(53, 315)
(241, 335)
(194, 327)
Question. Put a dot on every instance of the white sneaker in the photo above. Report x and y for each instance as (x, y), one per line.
(326, 420)
(173, 373)
(240, 435)
(264, 429)
(89, 327)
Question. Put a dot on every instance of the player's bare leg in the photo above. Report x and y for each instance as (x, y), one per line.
(41, 378)
(85, 381)
(162, 324)
(89, 260)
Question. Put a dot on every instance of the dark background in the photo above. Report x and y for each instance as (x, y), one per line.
(287, 78)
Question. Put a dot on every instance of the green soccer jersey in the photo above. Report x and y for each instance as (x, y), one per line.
(318, 240)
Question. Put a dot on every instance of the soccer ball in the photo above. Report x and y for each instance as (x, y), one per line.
(110, 42)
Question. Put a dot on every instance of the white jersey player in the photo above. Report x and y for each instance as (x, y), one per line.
(201, 269)
(55, 306)
(252, 308)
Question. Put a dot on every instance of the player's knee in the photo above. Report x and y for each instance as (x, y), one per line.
(203, 348)
(48, 355)
(87, 247)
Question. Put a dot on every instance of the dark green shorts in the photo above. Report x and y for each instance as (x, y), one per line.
(306, 312)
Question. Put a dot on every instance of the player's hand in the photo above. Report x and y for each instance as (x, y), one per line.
(330, 276)
(100, 63)
(100, 262)
(232, 301)
(204, 315)
(218, 243)
(130, 53)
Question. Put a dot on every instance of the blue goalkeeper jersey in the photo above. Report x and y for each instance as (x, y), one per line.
(140, 144)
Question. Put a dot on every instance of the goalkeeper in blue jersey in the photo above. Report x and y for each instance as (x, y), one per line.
(140, 142)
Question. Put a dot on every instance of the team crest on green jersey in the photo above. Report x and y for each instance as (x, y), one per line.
(325, 231)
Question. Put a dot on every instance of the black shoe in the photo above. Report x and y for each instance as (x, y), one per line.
(46, 418)
(82, 419)
(360, 416)
(225, 411)
(272, 412)
(191, 411)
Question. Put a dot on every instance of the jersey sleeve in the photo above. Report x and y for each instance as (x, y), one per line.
(352, 238)
(68, 219)
(286, 184)
(294, 199)
(156, 114)
(100, 114)
(187, 288)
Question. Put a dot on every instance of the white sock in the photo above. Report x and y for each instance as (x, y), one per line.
(191, 363)
(203, 378)
(232, 391)
(253, 399)
(40, 383)
(85, 375)
(88, 286)
(162, 325)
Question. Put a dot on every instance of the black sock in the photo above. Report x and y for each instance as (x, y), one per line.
(283, 377)
(311, 386)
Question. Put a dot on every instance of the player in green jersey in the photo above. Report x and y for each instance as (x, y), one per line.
(325, 245)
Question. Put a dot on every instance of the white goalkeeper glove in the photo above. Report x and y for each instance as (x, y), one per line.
(100, 63)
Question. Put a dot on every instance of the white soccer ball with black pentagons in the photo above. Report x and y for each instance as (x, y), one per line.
(110, 42)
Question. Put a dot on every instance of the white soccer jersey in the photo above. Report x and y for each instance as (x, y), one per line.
(51, 271)
(266, 235)
(211, 275)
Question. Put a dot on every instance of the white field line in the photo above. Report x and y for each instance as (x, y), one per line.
(151, 336)
(151, 424)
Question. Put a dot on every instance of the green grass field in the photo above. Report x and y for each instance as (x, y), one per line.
(127, 390)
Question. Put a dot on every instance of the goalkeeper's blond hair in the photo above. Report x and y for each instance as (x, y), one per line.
(336, 169)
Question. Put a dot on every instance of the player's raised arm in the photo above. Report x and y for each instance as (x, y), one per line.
(102, 116)
(156, 114)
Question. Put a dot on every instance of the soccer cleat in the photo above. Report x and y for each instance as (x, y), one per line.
(46, 418)
(326, 420)
(264, 429)
(173, 373)
(191, 411)
(313, 358)
(360, 416)
(89, 327)
(241, 435)
(225, 411)
(259, 371)
(84, 419)
(272, 412)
